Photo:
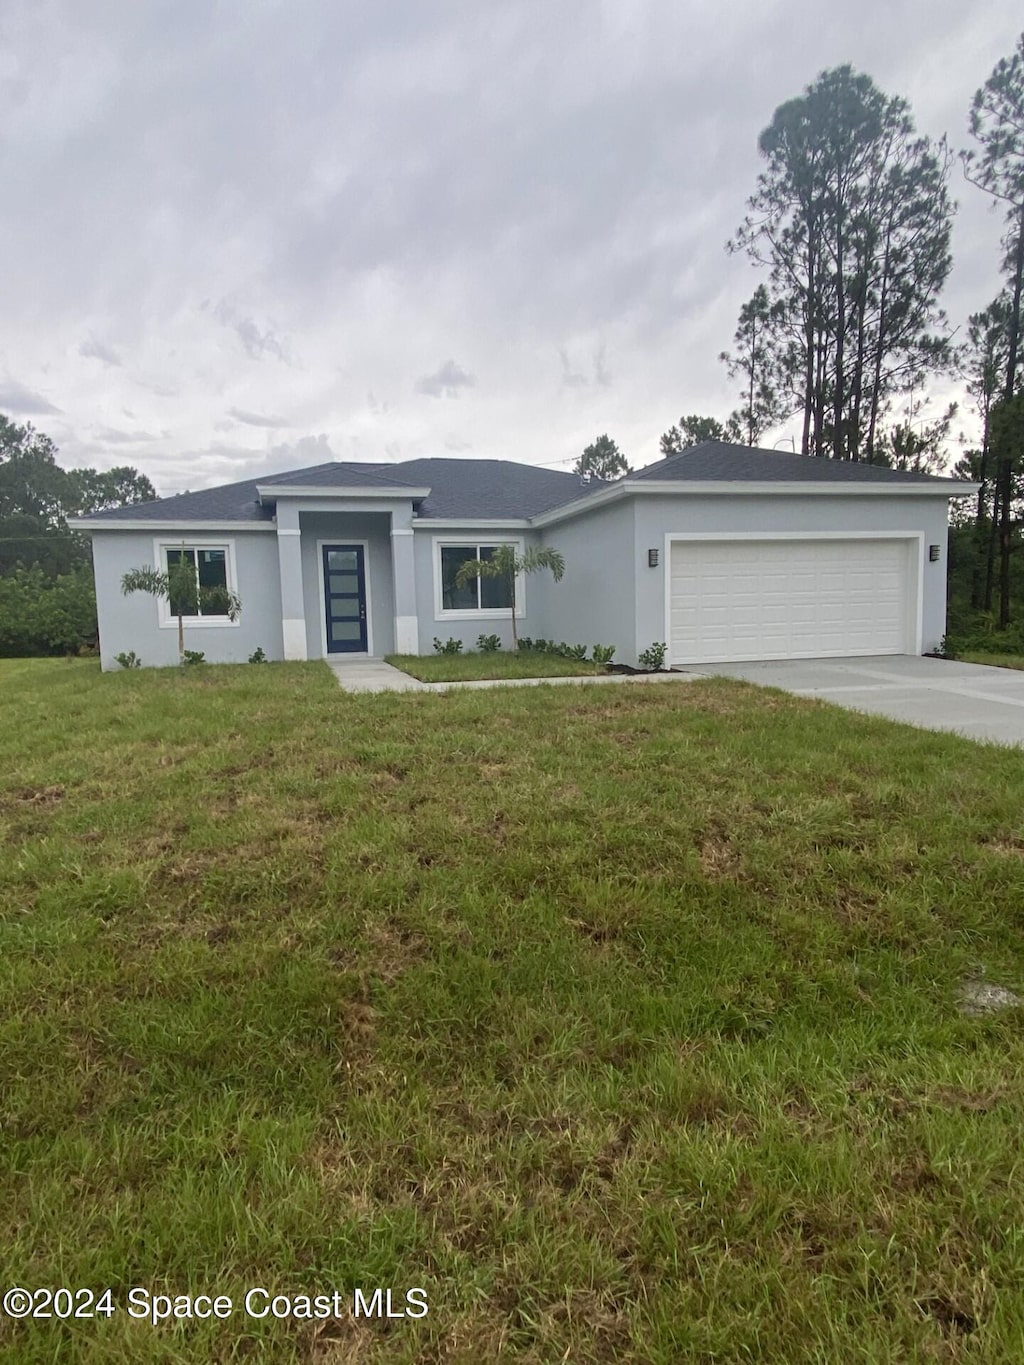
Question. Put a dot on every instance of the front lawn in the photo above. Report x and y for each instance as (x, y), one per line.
(993, 660)
(622, 1020)
(499, 663)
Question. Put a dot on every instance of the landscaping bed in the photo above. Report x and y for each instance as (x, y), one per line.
(627, 1022)
(627, 669)
(496, 664)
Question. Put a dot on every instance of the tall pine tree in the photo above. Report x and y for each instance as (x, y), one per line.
(851, 218)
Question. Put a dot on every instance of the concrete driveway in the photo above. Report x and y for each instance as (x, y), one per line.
(937, 694)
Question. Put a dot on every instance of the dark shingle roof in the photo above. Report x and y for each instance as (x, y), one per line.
(344, 474)
(714, 461)
(493, 490)
(240, 501)
(229, 502)
(463, 489)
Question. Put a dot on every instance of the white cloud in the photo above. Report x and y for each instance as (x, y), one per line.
(295, 209)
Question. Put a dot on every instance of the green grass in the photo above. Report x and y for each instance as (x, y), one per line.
(497, 664)
(994, 660)
(623, 1020)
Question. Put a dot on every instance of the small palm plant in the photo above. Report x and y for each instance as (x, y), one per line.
(507, 565)
(181, 587)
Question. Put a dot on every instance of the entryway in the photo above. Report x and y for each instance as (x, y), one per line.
(346, 630)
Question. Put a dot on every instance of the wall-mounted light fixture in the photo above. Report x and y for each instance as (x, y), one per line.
(933, 553)
(652, 559)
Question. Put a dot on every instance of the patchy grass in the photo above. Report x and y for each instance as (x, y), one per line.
(996, 660)
(498, 664)
(622, 1020)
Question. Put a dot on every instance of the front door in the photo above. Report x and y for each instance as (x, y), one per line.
(344, 572)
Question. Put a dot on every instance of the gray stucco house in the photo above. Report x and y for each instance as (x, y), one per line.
(724, 552)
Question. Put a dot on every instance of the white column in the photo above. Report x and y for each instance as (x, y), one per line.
(403, 573)
(289, 555)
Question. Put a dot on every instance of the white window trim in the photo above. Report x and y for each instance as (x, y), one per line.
(346, 653)
(914, 541)
(443, 613)
(160, 548)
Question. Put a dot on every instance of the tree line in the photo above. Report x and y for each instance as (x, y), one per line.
(47, 597)
(849, 223)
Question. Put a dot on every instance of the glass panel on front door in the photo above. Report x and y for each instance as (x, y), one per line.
(344, 576)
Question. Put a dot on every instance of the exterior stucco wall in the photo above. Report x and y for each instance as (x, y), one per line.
(133, 623)
(594, 602)
(658, 516)
(341, 528)
(609, 594)
(467, 628)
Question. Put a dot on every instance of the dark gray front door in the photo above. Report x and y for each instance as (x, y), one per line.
(345, 598)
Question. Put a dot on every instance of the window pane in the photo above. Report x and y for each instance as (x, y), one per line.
(494, 592)
(343, 632)
(342, 559)
(213, 568)
(182, 600)
(344, 582)
(453, 598)
(213, 579)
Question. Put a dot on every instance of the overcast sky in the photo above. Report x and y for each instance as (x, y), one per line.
(256, 234)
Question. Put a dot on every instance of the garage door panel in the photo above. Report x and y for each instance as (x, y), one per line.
(778, 599)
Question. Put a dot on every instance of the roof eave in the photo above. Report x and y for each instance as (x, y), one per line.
(273, 491)
(947, 488)
(87, 526)
(471, 523)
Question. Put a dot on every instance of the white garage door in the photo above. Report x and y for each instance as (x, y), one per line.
(789, 599)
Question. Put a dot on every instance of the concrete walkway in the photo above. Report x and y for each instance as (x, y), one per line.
(975, 700)
(374, 675)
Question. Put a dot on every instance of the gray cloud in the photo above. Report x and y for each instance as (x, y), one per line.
(573, 378)
(446, 381)
(458, 189)
(93, 349)
(256, 419)
(23, 401)
(307, 450)
(114, 436)
(257, 342)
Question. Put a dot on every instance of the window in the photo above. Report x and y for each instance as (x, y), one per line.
(212, 569)
(479, 594)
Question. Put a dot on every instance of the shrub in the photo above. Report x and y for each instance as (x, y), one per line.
(526, 644)
(603, 654)
(653, 657)
(488, 644)
(128, 659)
(44, 615)
(257, 656)
(450, 646)
(576, 652)
(194, 656)
(541, 646)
